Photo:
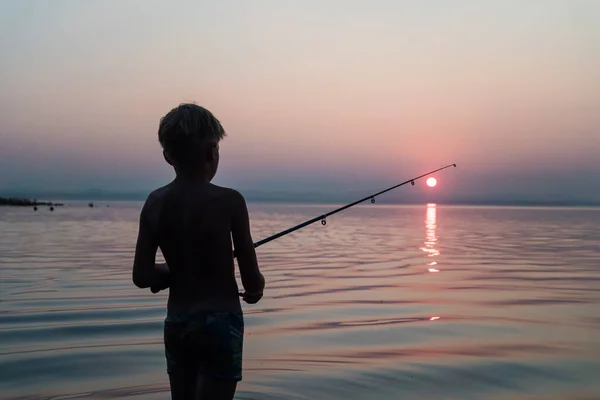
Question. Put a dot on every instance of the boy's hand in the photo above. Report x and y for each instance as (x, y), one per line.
(251, 297)
(162, 269)
(162, 286)
(163, 278)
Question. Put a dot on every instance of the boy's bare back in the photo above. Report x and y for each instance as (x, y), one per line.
(194, 224)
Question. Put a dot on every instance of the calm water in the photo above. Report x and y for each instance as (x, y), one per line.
(384, 302)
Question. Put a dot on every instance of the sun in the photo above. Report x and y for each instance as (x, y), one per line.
(431, 182)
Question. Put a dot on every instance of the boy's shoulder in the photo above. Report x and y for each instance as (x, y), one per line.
(153, 204)
(156, 196)
(229, 193)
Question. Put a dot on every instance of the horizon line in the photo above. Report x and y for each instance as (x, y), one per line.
(447, 202)
(303, 197)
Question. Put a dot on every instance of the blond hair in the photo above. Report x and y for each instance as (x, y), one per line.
(186, 129)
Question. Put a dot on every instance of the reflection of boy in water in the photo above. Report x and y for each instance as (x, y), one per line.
(193, 222)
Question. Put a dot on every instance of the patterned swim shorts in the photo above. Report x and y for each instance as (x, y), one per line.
(209, 343)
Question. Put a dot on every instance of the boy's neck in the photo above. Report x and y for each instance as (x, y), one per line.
(197, 176)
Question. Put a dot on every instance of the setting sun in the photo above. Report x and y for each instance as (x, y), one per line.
(431, 182)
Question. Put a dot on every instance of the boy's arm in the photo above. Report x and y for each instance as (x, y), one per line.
(145, 273)
(252, 279)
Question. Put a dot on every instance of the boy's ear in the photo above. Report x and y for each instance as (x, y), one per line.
(167, 158)
(211, 152)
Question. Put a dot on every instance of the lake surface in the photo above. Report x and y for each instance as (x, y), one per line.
(383, 302)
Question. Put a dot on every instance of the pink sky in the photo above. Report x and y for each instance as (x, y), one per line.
(306, 90)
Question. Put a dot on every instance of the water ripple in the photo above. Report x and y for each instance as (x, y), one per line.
(383, 302)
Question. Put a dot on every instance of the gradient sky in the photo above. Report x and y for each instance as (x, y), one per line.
(331, 95)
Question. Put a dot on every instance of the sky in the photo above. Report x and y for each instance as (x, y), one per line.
(315, 95)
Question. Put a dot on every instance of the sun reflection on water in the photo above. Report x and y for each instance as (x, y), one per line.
(431, 238)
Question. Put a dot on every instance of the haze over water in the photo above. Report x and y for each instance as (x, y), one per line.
(383, 302)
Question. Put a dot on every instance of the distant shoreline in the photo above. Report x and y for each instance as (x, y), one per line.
(25, 202)
(300, 200)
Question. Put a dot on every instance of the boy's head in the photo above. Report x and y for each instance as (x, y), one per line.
(190, 135)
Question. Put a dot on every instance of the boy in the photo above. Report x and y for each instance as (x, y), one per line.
(193, 222)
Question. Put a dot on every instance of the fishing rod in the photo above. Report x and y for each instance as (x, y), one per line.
(323, 217)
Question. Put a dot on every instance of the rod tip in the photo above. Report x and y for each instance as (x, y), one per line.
(454, 165)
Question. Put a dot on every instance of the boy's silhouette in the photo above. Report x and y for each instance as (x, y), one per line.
(194, 222)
